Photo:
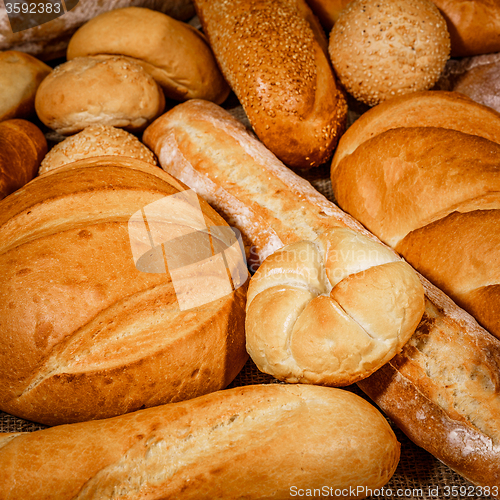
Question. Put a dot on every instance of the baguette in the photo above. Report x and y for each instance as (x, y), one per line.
(451, 363)
(261, 441)
(90, 328)
(274, 56)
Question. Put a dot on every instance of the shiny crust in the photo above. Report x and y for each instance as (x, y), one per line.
(286, 435)
(174, 53)
(22, 148)
(106, 339)
(273, 54)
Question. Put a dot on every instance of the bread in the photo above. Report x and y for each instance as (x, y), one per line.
(323, 284)
(22, 148)
(96, 140)
(437, 208)
(50, 40)
(20, 76)
(101, 90)
(251, 442)
(443, 388)
(473, 25)
(85, 333)
(274, 56)
(174, 53)
(386, 48)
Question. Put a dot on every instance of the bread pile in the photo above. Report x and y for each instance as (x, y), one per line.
(126, 307)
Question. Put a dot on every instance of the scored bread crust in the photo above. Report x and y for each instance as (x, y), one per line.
(286, 435)
(425, 188)
(274, 56)
(445, 379)
(85, 334)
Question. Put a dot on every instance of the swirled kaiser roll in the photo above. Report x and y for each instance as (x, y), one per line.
(274, 55)
(91, 324)
(443, 388)
(428, 186)
(253, 442)
(329, 310)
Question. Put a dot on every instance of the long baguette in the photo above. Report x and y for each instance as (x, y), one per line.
(443, 388)
(261, 441)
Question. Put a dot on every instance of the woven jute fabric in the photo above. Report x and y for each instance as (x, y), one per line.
(419, 475)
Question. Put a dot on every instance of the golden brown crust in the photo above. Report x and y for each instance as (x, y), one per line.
(274, 58)
(203, 449)
(86, 334)
(22, 148)
(177, 55)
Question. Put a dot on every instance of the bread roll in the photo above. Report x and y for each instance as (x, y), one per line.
(22, 147)
(20, 76)
(385, 48)
(442, 389)
(431, 193)
(101, 90)
(96, 140)
(174, 53)
(251, 442)
(274, 56)
(50, 40)
(85, 333)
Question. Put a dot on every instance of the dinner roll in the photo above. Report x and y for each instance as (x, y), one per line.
(106, 90)
(386, 48)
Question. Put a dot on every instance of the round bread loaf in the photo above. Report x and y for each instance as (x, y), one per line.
(385, 48)
(105, 90)
(174, 53)
(313, 309)
(20, 76)
(96, 140)
(22, 148)
(423, 173)
(85, 334)
(50, 39)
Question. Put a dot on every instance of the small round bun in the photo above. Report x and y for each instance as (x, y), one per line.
(100, 90)
(96, 140)
(385, 48)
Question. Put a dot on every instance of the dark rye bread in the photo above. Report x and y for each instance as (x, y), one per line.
(273, 53)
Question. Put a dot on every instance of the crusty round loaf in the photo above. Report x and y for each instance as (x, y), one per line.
(313, 309)
(22, 148)
(431, 192)
(253, 442)
(96, 140)
(274, 55)
(174, 53)
(84, 333)
(386, 48)
(20, 76)
(50, 40)
(105, 90)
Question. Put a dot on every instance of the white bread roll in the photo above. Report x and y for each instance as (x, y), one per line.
(177, 55)
(100, 90)
(274, 55)
(262, 441)
(429, 187)
(85, 333)
(50, 40)
(96, 140)
(443, 388)
(20, 76)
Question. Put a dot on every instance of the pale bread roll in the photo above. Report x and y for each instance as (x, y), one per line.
(253, 442)
(20, 76)
(101, 90)
(96, 140)
(177, 55)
